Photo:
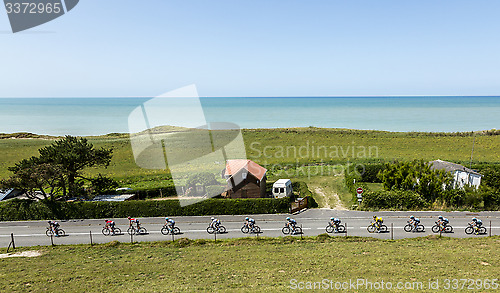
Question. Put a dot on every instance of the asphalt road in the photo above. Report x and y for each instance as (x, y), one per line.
(313, 222)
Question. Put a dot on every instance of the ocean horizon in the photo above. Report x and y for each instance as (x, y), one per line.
(98, 116)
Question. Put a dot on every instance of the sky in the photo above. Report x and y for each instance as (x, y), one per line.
(233, 48)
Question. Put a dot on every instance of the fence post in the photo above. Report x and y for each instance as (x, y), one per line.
(52, 239)
(392, 231)
(131, 237)
(91, 243)
(488, 235)
(173, 239)
(302, 232)
(215, 236)
(14, 244)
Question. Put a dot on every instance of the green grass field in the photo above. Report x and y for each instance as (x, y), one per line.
(251, 265)
(293, 148)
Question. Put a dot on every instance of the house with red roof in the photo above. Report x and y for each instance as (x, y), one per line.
(245, 179)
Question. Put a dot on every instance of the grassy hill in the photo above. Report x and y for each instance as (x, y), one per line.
(275, 148)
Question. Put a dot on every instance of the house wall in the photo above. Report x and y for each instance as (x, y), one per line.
(250, 187)
(462, 178)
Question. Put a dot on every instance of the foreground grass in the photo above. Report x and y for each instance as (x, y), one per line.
(248, 265)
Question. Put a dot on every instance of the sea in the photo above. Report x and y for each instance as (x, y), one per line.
(98, 116)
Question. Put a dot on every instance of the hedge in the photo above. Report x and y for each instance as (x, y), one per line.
(398, 199)
(18, 210)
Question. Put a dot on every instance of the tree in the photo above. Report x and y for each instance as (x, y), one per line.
(416, 175)
(58, 170)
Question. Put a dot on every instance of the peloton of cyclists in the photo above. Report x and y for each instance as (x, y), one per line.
(135, 221)
(414, 222)
(110, 225)
(54, 226)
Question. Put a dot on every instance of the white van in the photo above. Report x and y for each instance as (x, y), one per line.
(282, 188)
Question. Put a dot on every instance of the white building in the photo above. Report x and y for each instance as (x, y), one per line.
(461, 175)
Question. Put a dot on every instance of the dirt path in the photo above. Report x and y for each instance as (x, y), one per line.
(326, 199)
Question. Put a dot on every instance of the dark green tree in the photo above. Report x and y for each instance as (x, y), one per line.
(59, 168)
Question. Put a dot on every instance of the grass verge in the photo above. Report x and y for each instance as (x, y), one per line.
(249, 264)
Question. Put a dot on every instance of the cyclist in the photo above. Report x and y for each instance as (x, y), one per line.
(442, 222)
(291, 222)
(249, 222)
(215, 223)
(54, 226)
(136, 221)
(335, 222)
(170, 223)
(110, 225)
(476, 223)
(378, 222)
(414, 222)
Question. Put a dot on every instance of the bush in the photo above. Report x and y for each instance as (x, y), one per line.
(17, 210)
(397, 199)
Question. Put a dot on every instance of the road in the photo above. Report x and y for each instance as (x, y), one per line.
(313, 222)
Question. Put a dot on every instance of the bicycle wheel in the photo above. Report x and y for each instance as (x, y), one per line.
(469, 230)
(383, 228)
(143, 230)
(285, 230)
(105, 231)
(329, 229)
(482, 230)
(131, 231)
(117, 231)
(60, 232)
(256, 229)
(371, 228)
(448, 229)
(408, 228)
(221, 229)
(49, 232)
(297, 230)
(420, 228)
(165, 230)
(245, 229)
(341, 229)
(176, 230)
(435, 228)
(210, 230)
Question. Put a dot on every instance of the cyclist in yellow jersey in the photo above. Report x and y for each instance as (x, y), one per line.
(378, 221)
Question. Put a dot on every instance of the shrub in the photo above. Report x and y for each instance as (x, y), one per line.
(16, 210)
(397, 199)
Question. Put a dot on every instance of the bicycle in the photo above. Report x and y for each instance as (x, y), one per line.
(335, 229)
(471, 229)
(217, 229)
(246, 229)
(107, 230)
(410, 227)
(375, 227)
(59, 232)
(132, 230)
(439, 227)
(294, 230)
(167, 229)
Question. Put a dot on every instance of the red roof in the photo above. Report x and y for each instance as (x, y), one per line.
(234, 166)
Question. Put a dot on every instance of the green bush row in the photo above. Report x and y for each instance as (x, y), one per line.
(394, 199)
(17, 210)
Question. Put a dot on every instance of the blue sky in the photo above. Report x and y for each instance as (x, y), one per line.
(257, 48)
